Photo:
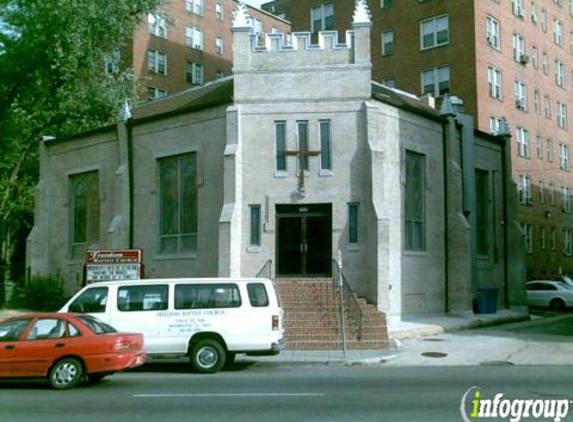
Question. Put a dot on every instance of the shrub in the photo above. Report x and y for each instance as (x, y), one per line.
(39, 294)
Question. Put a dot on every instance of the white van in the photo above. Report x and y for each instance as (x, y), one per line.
(209, 320)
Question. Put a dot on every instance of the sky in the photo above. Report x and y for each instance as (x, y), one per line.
(256, 3)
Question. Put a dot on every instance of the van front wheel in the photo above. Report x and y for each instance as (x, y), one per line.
(207, 356)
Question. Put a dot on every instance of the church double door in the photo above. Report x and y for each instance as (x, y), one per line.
(304, 240)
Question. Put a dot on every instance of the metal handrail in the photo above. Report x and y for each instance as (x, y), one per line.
(350, 304)
(266, 270)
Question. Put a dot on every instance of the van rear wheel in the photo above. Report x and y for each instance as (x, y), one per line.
(207, 356)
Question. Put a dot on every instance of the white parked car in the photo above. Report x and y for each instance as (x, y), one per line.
(556, 295)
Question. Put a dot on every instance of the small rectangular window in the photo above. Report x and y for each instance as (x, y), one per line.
(387, 43)
(302, 132)
(353, 223)
(325, 145)
(255, 231)
(280, 145)
(415, 202)
(142, 298)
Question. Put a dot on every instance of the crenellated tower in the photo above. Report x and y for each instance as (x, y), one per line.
(285, 67)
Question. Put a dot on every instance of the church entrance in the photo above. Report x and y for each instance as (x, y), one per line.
(304, 240)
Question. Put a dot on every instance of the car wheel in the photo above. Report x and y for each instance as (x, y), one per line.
(557, 305)
(66, 373)
(207, 356)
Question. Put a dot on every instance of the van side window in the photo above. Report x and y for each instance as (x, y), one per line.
(142, 298)
(257, 295)
(204, 296)
(91, 301)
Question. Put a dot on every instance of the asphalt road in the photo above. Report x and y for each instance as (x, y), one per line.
(252, 392)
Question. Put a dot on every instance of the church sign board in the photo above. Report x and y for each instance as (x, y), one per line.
(113, 264)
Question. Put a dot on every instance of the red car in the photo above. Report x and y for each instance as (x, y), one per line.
(65, 348)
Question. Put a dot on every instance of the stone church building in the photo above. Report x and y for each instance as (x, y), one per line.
(297, 159)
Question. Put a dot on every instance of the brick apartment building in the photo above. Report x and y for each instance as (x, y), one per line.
(509, 58)
(188, 43)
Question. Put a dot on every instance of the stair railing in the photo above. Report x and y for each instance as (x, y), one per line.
(265, 271)
(349, 303)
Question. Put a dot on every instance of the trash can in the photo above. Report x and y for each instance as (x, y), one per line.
(486, 302)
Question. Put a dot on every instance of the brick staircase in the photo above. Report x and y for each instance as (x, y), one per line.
(312, 318)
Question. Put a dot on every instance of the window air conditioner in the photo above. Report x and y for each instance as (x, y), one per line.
(523, 58)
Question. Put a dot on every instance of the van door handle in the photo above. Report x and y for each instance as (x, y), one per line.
(60, 344)
(10, 347)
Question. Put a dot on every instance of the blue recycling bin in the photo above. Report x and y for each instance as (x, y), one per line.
(486, 302)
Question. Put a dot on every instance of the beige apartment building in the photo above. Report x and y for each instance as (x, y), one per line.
(510, 58)
(187, 43)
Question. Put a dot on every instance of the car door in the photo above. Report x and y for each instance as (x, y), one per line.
(44, 343)
(10, 333)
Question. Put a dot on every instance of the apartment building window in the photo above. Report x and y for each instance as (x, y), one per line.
(522, 142)
(543, 20)
(553, 238)
(194, 37)
(519, 49)
(493, 38)
(494, 123)
(571, 42)
(494, 82)
(386, 4)
(112, 62)
(157, 62)
(257, 26)
(539, 146)
(566, 199)
(155, 93)
(541, 192)
(219, 45)
(280, 146)
(535, 57)
(551, 192)
(571, 8)
(517, 8)
(219, 74)
(558, 2)
(542, 238)
(178, 204)
(564, 161)
(567, 242)
(550, 155)
(415, 202)
(157, 24)
(436, 81)
(387, 42)
(219, 11)
(255, 225)
(528, 232)
(194, 73)
(325, 145)
(560, 73)
(558, 32)
(533, 13)
(194, 6)
(545, 63)
(536, 102)
(520, 95)
(322, 17)
(562, 115)
(434, 32)
(354, 223)
(547, 106)
(525, 189)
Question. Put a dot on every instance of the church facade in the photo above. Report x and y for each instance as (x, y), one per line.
(296, 161)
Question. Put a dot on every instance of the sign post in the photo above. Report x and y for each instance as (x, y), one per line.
(113, 264)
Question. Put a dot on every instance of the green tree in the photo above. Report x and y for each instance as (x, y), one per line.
(53, 81)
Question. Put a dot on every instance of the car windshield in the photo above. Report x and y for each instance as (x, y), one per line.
(94, 324)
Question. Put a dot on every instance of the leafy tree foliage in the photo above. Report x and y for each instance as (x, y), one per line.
(53, 81)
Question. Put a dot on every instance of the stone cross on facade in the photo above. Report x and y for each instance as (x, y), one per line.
(303, 153)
